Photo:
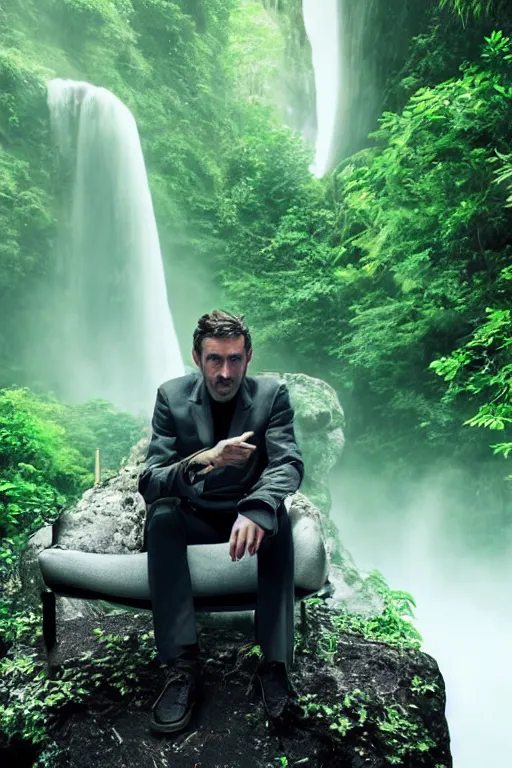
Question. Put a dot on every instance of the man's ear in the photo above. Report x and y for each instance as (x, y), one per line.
(249, 356)
(195, 358)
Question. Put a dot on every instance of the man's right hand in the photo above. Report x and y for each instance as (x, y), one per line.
(234, 451)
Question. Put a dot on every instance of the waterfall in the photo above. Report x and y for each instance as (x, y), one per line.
(345, 55)
(361, 85)
(322, 28)
(114, 328)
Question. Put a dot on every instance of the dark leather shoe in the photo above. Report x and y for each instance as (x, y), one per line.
(276, 689)
(172, 711)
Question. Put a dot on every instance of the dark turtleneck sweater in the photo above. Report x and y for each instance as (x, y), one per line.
(222, 416)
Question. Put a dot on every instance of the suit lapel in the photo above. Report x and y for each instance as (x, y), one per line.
(200, 408)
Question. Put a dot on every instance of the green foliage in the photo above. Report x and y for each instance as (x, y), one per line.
(393, 625)
(482, 371)
(27, 218)
(504, 172)
(338, 711)
(33, 701)
(17, 625)
(404, 735)
(477, 8)
(95, 424)
(423, 687)
(256, 52)
(46, 461)
(392, 262)
(250, 651)
(47, 453)
(363, 720)
(123, 655)
(102, 19)
(38, 466)
(479, 371)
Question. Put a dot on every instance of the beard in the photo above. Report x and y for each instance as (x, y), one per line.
(223, 389)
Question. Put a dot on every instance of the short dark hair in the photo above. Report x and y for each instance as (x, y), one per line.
(220, 324)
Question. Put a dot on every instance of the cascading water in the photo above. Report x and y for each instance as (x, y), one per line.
(346, 68)
(321, 24)
(118, 338)
(360, 82)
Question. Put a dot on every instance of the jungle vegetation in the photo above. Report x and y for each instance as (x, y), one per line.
(390, 278)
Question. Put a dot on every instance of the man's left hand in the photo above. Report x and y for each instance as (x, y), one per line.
(245, 536)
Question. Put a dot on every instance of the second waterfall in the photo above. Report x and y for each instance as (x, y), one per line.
(344, 36)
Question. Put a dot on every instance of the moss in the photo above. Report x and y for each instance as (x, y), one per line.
(384, 703)
(393, 625)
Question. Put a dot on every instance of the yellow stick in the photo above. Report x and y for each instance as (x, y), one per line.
(97, 468)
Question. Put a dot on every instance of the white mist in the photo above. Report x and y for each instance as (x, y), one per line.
(464, 600)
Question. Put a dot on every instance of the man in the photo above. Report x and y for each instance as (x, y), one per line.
(221, 461)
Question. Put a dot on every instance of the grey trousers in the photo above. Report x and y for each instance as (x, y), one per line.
(171, 526)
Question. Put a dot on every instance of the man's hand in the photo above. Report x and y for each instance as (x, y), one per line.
(234, 452)
(245, 535)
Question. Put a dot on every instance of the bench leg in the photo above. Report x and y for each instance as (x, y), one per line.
(49, 620)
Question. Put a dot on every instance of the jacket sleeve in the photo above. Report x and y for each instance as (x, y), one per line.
(284, 471)
(163, 475)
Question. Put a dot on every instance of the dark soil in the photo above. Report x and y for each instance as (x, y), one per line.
(228, 730)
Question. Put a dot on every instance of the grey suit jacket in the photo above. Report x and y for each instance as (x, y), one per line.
(182, 426)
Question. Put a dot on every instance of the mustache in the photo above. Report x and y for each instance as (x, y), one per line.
(222, 380)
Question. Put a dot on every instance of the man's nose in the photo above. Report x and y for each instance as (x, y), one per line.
(225, 371)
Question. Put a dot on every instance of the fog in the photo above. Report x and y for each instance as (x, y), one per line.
(462, 586)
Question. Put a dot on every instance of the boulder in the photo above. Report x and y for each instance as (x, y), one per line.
(319, 428)
(109, 518)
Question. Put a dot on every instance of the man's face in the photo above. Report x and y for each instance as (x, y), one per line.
(223, 364)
